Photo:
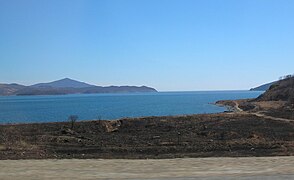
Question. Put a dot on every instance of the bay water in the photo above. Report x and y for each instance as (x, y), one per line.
(51, 108)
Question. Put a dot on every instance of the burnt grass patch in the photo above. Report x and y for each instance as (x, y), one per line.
(209, 135)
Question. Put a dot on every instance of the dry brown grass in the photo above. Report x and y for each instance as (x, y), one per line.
(2, 147)
(266, 105)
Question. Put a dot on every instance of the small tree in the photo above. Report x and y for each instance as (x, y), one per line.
(99, 117)
(72, 119)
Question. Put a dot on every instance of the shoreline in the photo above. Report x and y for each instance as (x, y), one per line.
(246, 129)
(123, 118)
(140, 107)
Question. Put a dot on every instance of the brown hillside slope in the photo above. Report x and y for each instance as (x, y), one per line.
(282, 90)
(276, 102)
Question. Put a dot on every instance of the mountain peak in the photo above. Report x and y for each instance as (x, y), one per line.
(66, 79)
(64, 83)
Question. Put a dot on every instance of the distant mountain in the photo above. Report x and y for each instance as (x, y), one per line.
(67, 86)
(118, 89)
(10, 89)
(263, 87)
(63, 83)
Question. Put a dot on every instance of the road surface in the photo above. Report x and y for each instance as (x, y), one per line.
(271, 168)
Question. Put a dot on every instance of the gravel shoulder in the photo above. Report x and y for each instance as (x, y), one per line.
(187, 168)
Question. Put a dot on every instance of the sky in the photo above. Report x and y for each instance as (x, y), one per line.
(171, 45)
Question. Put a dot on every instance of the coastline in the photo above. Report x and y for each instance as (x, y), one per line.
(112, 106)
(230, 105)
(246, 129)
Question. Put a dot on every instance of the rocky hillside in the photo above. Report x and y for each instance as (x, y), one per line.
(282, 90)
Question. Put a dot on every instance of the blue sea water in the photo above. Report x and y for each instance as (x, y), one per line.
(26, 109)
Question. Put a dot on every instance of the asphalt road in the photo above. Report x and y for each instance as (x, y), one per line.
(269, 168)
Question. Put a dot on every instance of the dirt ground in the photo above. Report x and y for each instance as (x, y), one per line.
(188, 168)
(210, 135)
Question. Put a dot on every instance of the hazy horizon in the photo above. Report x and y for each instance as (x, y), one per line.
(131, 85)
(170, 45)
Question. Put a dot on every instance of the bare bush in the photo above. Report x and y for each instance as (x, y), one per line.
(72, 119)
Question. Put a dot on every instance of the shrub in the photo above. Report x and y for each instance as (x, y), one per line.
(72, 119)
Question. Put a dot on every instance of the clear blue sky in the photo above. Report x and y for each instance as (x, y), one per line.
(166, 44)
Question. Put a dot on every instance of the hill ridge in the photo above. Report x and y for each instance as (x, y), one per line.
(68, 86)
